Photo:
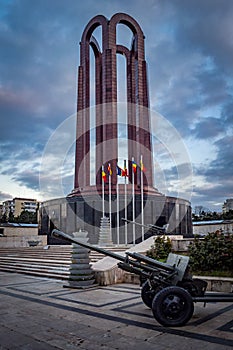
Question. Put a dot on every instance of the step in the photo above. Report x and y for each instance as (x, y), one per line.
(38, 269)
(52, 263)
(36, 273)
(24, 265)
(48, 261)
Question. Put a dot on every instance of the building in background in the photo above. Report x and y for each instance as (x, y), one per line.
(227, 205)
(17, 205)
(202, 228)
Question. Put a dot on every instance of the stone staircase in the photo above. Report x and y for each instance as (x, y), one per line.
(39, 261)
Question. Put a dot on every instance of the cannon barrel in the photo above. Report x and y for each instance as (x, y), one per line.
(62, 235)
(139, 264)
(150, 227)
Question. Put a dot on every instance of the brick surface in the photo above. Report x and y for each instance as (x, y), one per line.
(106, 92)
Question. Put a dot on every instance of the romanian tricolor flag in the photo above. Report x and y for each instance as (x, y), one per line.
(124, 172)
(109, 169)
(103, 175)
(143, 169)
(134, 165)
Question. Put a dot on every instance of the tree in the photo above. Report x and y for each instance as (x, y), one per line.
(27, 217)
(11, 217)
(160, 249)
(4, 218)
(208, 215)
(214, 252)
(228, 215)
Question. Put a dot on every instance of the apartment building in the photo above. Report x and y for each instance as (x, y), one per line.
(17, 205)
(227, 205)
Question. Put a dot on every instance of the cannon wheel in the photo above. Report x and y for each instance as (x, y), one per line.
(172, 306)
(147, 294)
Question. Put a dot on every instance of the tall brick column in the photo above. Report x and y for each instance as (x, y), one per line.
(106, 100)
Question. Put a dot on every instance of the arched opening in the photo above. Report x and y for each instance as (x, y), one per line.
(124, 38)
(92, 118)
(122, 109)
(124, 35)
(95, 46)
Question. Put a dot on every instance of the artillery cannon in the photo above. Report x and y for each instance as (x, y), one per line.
(167, 288)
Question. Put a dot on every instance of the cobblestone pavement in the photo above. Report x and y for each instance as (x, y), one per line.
(37, 313)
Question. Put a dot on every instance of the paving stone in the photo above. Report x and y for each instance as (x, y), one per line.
(104, 318)
(36, 345)
(11, 339)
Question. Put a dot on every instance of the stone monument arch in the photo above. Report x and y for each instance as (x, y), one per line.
(82, 208)
(106, 95)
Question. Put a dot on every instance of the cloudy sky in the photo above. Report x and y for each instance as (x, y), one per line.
(189, 51)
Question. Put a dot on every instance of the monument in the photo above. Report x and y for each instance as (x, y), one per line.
(106, 99)
(136, 199)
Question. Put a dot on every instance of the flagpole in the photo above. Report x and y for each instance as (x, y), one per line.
(118, 217)
(125, 204)
(102, 191)
(133, 195)
(110, 199)
(142, 206)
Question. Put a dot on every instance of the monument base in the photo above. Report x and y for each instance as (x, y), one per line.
(85, 210)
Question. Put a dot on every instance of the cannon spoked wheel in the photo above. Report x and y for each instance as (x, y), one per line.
(147, 294)
(172, 306)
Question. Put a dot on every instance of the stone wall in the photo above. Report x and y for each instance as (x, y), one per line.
(11, 231)
(204, 228)
(20, 236)
(21, 241)
(71, 214)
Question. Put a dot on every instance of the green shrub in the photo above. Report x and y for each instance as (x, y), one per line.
(214, 252)
(160, 249)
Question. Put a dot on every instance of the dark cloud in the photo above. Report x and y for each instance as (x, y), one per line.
(218, 175)
(192, 63)
(28, 178)
(189, 53)
(207, 27)
(37, 73)
(227, 112)
(5, 196)
(220, 169)
(19, 123)
(212, 86)
(208, 128)
(181, 171)
(213, 197)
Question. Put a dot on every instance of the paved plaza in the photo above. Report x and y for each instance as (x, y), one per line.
(40, 314)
